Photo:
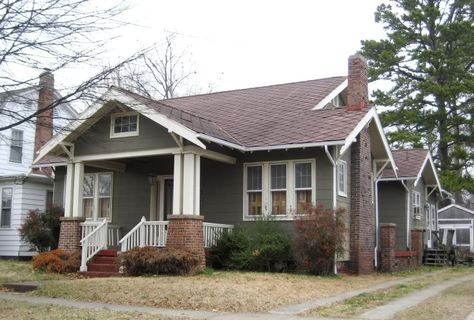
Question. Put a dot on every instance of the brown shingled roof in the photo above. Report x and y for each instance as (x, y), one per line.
(408, 161)
(264, 116)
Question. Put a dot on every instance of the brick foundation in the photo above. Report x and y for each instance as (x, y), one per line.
(70, 234)
(417, 244)
(362, 216)
(186, 232)
(387, 247)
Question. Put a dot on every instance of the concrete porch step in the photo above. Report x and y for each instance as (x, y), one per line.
(103, 267)
(105, 260)
(99, 274)
(107, 253)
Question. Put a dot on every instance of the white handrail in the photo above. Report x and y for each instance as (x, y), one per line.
(113, 234)
(213, 231)
(92, 243)
(145, 233)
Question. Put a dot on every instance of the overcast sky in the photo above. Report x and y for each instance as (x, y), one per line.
(238, 44)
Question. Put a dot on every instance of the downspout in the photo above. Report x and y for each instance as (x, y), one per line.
(408, 210)
(334, 192)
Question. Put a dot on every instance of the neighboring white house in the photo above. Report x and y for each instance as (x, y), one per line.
(21, 188)
(461, 220)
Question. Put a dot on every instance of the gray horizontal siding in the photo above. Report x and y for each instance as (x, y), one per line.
(392, 209)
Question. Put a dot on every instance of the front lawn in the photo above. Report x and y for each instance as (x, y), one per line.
(20, 271)
(218, 290)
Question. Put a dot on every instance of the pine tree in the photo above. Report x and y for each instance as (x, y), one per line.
(428, 55)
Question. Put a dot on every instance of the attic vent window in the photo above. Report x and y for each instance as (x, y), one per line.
(124, 125)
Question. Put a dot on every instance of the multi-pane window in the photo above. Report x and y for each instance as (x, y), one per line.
(342, 178)
(97, 195)
(5, 218)
(124, 125)
(254, 190)
(278, 188)
(303, 187)
(16, 146)
(416, 203)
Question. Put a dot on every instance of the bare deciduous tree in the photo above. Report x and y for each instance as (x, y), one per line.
(52, 34)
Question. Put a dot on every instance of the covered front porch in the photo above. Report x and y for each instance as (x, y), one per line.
(131, 200)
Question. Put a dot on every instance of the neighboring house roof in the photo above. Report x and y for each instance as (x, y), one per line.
(412, 164)
(263, 118)
(456, 212)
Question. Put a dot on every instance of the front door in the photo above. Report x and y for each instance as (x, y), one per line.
(161, 200)
(168, 198)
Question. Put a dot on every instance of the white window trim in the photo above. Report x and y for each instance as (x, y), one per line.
(266, 191)
(1, 207)
(343, 164)
(16, 146)
(123, 134)
(416, 203)
(95, 198)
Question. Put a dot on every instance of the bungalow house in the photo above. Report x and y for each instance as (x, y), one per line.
(410, 199)
(211, 161)
(21, 188)
(461, 220)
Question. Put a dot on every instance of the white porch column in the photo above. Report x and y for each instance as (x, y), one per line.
(68, 195)
(77, 189)
(177, 184)
(186, 188)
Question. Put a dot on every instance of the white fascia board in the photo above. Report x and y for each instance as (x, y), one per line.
(455, 206)
(429, 160)
(209, 154)
(370, 115)
(128, 154)
(114, 94)
(83, 117)
(321, 104)
(420, 173)
(164, 121)
(270, 147)
(397, 179)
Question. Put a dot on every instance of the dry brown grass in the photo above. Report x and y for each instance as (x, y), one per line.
(453, 304)
(15, 310)
(219, 291)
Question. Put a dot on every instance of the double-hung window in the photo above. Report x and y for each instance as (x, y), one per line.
(254, 190)
(124, 124)
(16, 146)
(303, 186)
(280, 189)
(5, 218)
(416, 204)
(97, 196)
(342, 178)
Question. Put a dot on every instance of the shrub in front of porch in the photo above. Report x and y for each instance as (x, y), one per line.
(57, 261)
(41, 229)
(318, 237)
(150, 260)
(261, 246)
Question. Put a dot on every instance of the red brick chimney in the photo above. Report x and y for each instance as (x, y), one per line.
(357, 83)
(44, 119)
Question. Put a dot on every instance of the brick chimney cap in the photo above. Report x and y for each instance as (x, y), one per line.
(357, 56)
(46, 78)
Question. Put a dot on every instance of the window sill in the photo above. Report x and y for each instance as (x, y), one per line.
(124, 135)
(270, 217)
(342, 194)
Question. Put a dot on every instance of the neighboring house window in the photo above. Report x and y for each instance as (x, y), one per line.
(97, 196)
(280, 189)
(303, 186)
(124, 125)
(416, 203)
(16, 146)
(5, 218)
(49, 200)
(342, 178)
(254, 190)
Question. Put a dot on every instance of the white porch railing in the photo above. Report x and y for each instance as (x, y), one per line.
(154, 233)
(213, 231)
(113, 232)
(144, 234)
(92, 243)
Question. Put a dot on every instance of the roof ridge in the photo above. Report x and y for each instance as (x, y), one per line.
(248, 88)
